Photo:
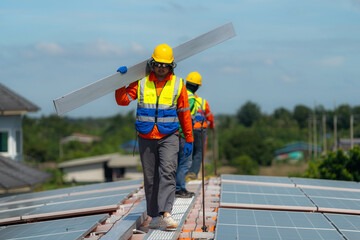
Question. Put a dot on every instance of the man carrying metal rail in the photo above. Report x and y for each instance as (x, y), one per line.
(162, 104)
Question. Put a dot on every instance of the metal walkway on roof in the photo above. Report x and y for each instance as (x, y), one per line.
(180, 210)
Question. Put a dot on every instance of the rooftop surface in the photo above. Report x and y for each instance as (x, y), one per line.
(14, 174)
(235, 207)
(11, 102)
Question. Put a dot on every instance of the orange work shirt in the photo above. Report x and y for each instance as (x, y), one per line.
(125, 95)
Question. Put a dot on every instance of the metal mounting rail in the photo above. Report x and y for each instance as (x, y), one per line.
(109, 84)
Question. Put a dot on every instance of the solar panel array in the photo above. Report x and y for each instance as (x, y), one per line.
(67, 202)
(253, 196)
(259, 224)
(310, 208)
(63, 229)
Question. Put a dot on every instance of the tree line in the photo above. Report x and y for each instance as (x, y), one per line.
(42, 136)
(247, 139)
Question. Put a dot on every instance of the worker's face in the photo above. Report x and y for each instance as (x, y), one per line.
(161, 69)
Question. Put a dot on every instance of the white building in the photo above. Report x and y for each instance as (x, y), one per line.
(12, 108)
(103, 168)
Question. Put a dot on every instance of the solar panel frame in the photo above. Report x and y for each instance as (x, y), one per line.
(78, 190)
(259, 224)
(75, 207)
(69, 229)
(260, 189)
(7, 217)
(336, 194)
(326, 184)
(264, 197)
(331, 205)
(257, 180)
(35, 207)
(283, 202)
(43, 202)
(348, 225)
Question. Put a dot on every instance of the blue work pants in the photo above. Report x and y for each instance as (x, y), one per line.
(184, 164)
(197, 150)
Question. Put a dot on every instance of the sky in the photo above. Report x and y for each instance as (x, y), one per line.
(285, 53)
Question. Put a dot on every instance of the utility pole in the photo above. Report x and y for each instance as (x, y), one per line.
(352, 131)
(315, 143)
(324, 133)
(310, 137)
(335, 128)
(214, 150)
(335, 133)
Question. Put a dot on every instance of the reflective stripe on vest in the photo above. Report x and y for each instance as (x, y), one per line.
(200, 109)
(160, 110)
(193, 110)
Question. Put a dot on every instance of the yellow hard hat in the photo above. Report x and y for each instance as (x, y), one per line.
(194, 77)
(163, 53)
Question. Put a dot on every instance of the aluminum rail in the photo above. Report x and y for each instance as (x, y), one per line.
(109, 84)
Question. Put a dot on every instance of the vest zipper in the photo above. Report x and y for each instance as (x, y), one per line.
(156, 111)
(157, 101)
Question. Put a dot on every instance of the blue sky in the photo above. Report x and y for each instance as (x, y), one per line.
(286, 52)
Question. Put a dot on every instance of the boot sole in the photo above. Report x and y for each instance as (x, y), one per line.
(172, 226)
(154, 227)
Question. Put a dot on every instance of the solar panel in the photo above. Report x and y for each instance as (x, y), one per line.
(63, 229)
(349, 225)
(109, 202)
(337, 205)
(248, 200)
(42, 202)
(338, 201)
(337, 194)
(244, 188)
(327, 184)
(100, 187)
(78, 200)
(14, 215)
(72, 207)
(258, 224)
(257, 180)
(264, 197)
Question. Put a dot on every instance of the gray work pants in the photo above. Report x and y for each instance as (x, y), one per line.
(159, 162)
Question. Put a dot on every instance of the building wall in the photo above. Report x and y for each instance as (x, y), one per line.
(85, 173)
(12, 125)
(132, 173)
(95, 173)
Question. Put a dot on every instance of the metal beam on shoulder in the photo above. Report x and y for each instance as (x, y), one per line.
(109, 84)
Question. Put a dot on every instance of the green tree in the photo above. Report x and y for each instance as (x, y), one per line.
(248, 113)
(282, 113)
(343, 112)
(245, 165)
(246, 141)
(356, 110)
(301, 114)
(337, 165)
(42, 136)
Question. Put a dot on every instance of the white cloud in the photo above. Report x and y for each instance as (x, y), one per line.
(332, 61)
(102, 47)
(137, 47)
(269, 62)
(49, 48)
(288, 79)
(232, 69)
